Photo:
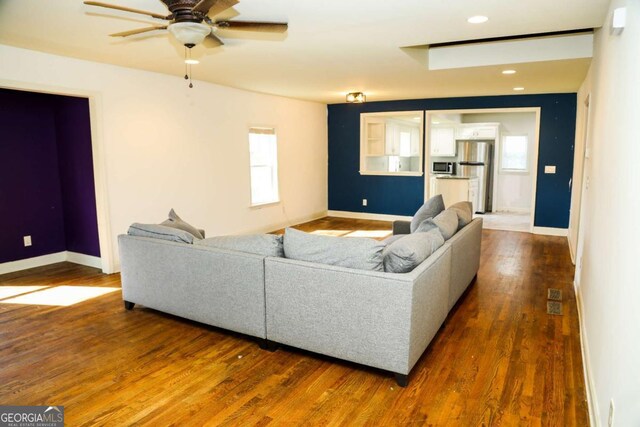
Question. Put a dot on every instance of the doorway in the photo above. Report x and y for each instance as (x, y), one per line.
(49, 165)
(513, 144)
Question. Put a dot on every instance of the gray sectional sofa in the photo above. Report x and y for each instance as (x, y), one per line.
(379, 319)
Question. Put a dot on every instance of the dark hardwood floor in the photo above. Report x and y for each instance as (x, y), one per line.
(499, 359)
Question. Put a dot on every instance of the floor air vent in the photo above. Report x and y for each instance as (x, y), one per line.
(554, 307)
(554, 294)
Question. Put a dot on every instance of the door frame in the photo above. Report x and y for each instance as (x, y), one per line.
(536, 144)
(99, 161)
(584, 189)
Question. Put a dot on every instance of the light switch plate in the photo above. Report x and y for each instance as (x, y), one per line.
(27, 240)
(549, 169)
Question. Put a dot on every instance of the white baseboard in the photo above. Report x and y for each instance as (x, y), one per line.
(551, 231)
(365, 215)
(82, 259)
(513, 210)
(39, 261)
(592, 400)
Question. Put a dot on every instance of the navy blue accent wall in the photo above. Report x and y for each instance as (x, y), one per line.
(46, 176)
(403, 195)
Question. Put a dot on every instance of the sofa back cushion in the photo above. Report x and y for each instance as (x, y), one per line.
(157, 231)
(464, 210)
(430, 209)
(406, 253)
(446, 221)
(260, 244)
(350, 252)
(175, 221)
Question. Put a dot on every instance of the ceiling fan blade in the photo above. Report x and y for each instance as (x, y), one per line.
(214, 7)
(127, 9)
(212, 41)
(138, 31)
(274, 27)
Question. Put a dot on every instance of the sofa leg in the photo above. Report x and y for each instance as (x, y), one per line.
(265, 344)
(129, 305)
(402, 380)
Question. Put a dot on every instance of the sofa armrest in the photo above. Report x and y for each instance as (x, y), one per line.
(401, 227)
(202, 232)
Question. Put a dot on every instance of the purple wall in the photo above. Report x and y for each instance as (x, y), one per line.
(32, 201)
(75, 160)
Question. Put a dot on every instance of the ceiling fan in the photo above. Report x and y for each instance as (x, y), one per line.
(190, 21)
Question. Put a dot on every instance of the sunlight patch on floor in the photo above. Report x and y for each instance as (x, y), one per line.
(12, 291)
(60, 295)
(374, 234)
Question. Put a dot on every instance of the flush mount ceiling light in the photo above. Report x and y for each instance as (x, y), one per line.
(478, 19)
(356, 97)
(518, 88)
(509, 72)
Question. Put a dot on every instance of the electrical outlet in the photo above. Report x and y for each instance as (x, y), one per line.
(27, 240)
(611, 410)
(364, 202)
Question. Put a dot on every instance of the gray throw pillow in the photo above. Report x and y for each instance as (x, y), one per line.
(351, 252)
(176, 222)
(411, 250)
(157, 231)
(260, 244)
(464, 210)
(431, 208)
(446, 222)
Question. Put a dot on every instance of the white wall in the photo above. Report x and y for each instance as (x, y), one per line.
(609, 283)
(514, 190)
(167, 146)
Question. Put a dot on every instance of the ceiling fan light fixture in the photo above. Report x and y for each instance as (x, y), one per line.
(189, 33)
(356, 98)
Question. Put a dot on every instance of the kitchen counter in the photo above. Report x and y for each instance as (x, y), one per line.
(454, 177)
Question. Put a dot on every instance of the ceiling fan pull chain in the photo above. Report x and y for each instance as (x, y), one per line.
(190, 70)
(186, 74)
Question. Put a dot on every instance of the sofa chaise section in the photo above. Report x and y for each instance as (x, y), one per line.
(213, 286)
(379, 319)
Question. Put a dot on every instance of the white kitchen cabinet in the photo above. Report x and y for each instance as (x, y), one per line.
(391, 143)
(456, 190)
(443, 141)
(477, 131)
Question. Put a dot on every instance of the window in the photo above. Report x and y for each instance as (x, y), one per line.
(263, 154)
(515, 157)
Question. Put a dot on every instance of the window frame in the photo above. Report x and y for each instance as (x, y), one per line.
(503, 143)
(266, 130)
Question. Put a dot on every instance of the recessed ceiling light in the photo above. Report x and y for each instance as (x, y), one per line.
(478, 19)
(509, 72)
(191, 61)
(518, 88)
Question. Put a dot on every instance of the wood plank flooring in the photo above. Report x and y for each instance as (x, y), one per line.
(500, 359)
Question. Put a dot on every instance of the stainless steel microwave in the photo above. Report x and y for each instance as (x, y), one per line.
(448, 168)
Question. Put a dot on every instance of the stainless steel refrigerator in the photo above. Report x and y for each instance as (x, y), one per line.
(475, 159)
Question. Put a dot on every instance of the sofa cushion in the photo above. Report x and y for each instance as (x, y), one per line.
(446, 221)
(176, 222)
(261, 244)
(464, 210)
(431, 208)
(411, 250)
(158, 231)
(351, 252)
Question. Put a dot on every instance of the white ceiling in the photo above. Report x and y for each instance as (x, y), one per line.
(332, 46)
